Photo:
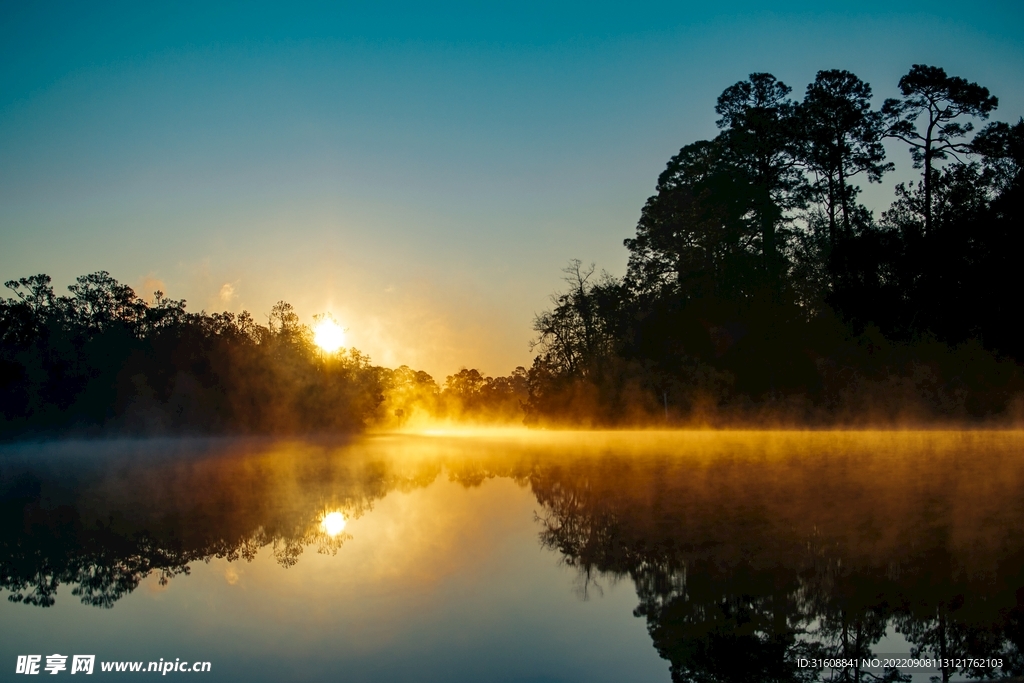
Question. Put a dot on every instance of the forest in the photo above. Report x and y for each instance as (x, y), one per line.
(104, 360)
(759, 291)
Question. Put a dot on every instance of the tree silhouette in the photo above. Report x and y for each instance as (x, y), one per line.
(758, 122)
(694, 238)
(575, 338)
(745, 301)
(929, 93)
(843, 138)
(103, 359)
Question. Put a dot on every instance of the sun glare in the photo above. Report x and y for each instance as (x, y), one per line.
(329, 336)
(333, 523)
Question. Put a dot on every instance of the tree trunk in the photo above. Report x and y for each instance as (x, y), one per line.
(928, 176)
(843, 202)
(831, 212)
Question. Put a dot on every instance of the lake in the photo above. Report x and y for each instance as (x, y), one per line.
(517, 556)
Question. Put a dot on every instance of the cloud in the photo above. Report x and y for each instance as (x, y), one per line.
(227, 293)
(149, 285)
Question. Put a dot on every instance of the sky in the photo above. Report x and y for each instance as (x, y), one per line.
(422, 172)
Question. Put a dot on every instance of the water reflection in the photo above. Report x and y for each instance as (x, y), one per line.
(332, 523)
(748, 551)
(758, 554)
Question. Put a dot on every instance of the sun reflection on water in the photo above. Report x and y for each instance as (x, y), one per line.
(333, 523)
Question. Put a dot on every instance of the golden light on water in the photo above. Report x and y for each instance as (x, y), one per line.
(333, 523)
(329, 336)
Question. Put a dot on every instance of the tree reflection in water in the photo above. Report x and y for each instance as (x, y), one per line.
(104, 525)
(747, 551)
(746, 560)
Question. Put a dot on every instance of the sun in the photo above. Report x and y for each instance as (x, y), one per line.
(329, 336)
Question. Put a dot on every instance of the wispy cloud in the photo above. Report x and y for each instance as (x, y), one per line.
(149, 286)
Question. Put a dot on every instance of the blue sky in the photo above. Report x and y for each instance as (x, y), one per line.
(423, 172)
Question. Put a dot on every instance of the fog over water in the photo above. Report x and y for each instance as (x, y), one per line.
(515, 555)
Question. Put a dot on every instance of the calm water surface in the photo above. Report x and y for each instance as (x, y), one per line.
(512, 556)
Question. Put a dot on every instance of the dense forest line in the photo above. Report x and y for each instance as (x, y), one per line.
(759, 288)
(102, 359)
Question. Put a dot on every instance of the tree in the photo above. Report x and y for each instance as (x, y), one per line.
(466, 385)
(758, 122)
(283, 319)
(574, 338)
(843, 138)
(942, 100)
(1001, 146)
(36, 292)
(104, 358)
(694, 237)
(101, 301)
(1001, 235)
